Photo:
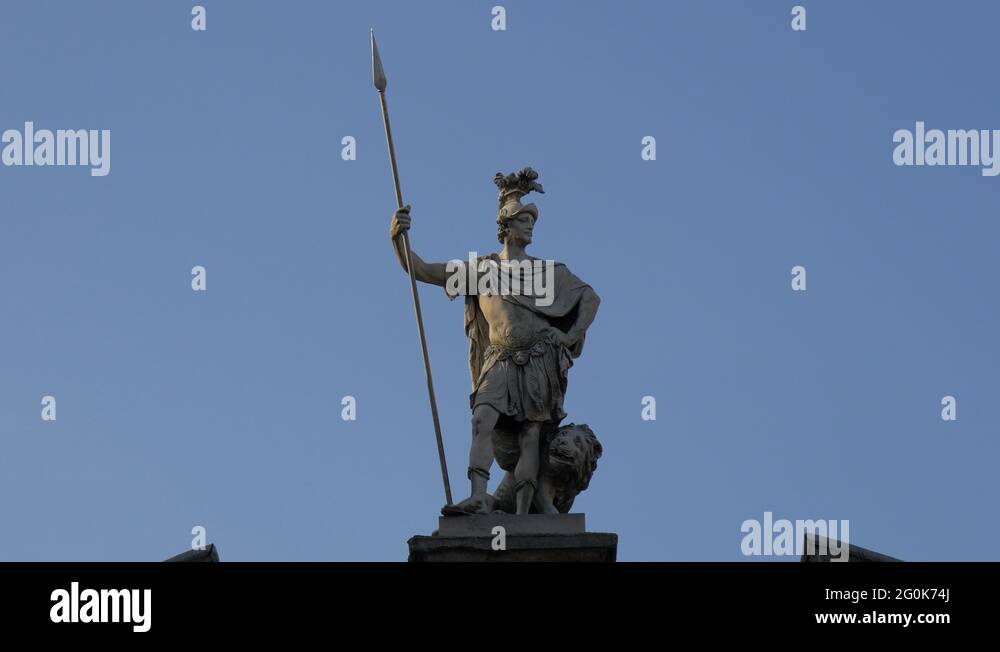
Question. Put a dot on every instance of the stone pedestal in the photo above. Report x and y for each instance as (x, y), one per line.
(532, 537)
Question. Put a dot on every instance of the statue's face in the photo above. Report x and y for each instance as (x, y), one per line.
(520, 228)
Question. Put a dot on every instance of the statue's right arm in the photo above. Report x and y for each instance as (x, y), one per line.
(433, 273)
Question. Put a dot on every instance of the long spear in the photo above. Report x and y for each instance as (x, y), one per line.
(378, 75)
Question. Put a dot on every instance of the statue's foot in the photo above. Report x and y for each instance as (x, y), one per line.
(475, 504)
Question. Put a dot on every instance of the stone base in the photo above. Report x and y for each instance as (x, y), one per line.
(481, 525)
(533, 537)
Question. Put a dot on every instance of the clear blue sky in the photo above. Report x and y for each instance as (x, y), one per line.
(774, 149)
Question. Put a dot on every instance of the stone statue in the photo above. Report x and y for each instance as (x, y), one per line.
(521, 348)
(568, 460)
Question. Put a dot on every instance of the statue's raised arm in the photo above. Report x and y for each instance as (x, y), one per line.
(433, 273)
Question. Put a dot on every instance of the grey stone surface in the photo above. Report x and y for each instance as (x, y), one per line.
(482, 524)
(209, 554)
(816, 549)
(586, 547)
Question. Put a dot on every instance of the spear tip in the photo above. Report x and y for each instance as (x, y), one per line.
(378, 75)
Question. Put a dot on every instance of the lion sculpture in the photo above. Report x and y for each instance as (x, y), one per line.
(569, 457)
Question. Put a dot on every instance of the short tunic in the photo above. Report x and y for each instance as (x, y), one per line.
(523, 384)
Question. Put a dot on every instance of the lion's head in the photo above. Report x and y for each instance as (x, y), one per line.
(570, 459)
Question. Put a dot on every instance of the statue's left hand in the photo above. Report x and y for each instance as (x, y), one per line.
(560, 337)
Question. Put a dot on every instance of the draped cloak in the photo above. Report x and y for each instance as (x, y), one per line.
(536, 378)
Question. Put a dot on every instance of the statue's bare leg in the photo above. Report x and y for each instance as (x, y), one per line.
(544, 497)
(526, 471)
(484, 420)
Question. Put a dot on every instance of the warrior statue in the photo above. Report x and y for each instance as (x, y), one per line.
(520, 352)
